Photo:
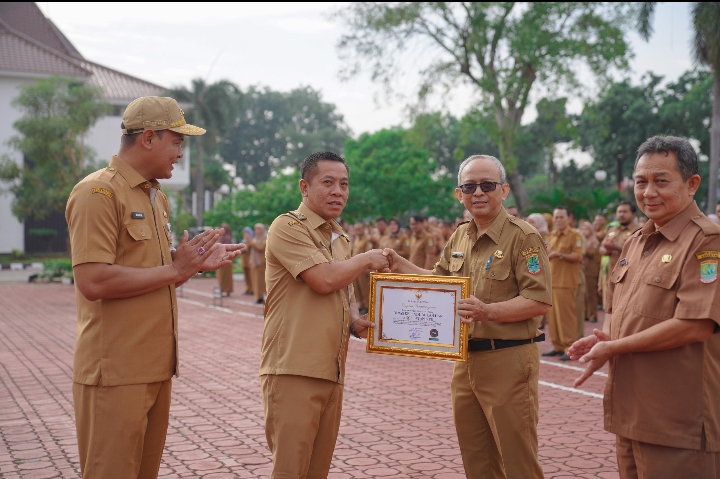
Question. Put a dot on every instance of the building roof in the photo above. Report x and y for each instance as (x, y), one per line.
(20, 53)
(31, 43)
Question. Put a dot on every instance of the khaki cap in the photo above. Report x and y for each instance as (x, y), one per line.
(156, 113)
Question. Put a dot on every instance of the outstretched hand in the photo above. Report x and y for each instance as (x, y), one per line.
(594, 351)
(190, 255)
(221, 255)
(359, 321)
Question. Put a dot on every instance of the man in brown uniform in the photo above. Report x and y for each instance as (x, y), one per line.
(661, 397)
(396, 240)
(382, 229)
(422, 245)
(614, 240)
(308, 321)
(565, 254)
(257, 262)
(125, 277)
(361, 244)
(495, 393)
(599, 223)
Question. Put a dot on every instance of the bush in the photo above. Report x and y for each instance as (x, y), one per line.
(56, 268)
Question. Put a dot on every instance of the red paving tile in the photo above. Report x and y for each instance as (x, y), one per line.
(397, 418)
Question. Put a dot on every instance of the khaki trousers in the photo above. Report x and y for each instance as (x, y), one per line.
(580, 293)
(495, 408)
(562, 319)
(258, 281)
(247, 271)
(225, 278)
(641, 460)
(302, 419)
(362, 290)
(121, 429)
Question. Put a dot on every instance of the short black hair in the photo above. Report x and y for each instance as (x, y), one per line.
(395, 220)
(632, 206)
(687, 161)
(418, 218)
(127, 141)
(380, 218)
(567, 210)
(309, 167)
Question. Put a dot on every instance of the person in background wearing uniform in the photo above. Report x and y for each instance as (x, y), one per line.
(591, 267)
(422, 245)
(308, 321)
(257, 262)
(432, 228)
(661, 396)
(613, 243)
(382, 229)
(361, 244)
(126, 350)
(395, 239)
(598, 225)
(495, 393)
(580, 305)
(225, 273)
(565, 254)
(245, 258)
(513, 211)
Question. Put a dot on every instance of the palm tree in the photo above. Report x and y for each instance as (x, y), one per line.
(213, 107)
(705, 51)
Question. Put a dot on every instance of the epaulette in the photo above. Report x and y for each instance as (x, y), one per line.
(345, 235)
(297, 215)
(526, 227)
(708, 227)
(108, 173)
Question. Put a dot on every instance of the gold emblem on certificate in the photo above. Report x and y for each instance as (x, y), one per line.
(416, 315)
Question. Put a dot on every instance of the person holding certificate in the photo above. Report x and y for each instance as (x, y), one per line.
(495, 392)
(308, 320)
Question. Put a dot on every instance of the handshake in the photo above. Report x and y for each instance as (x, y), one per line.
(382, 260)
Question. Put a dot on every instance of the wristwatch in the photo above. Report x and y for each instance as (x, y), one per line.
(561, 256)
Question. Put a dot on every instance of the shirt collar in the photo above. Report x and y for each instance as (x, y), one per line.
(131, 175)
(494, 230)
(672, 229)
(315, 220)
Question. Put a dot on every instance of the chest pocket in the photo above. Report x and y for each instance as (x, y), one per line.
(498, 285)
(138, 249)
(656, 290)
(456, 264)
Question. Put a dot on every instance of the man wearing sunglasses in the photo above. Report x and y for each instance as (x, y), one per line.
(495, 393)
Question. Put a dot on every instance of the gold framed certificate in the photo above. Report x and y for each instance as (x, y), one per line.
(417, 315)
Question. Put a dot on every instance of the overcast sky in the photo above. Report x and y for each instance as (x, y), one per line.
(283, 46)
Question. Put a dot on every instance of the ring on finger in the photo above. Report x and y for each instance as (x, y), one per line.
(201, 250)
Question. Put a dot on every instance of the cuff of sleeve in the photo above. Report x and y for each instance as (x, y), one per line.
(539, 296)
(93, 258)
(307, 264)
(697, 311)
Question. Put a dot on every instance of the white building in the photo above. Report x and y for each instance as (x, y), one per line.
(32, 47)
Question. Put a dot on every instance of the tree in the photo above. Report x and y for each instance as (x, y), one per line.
(706, 51)
(214, 107)
(276, 130)
(57, 114)
(501, 48)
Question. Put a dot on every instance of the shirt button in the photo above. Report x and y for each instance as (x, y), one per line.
(657, 279)
(142, 234)
(634, 280)
(696, 216)
(622, 307)
(112, 168)
(646, 253)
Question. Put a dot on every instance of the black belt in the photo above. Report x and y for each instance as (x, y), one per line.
(490, 344)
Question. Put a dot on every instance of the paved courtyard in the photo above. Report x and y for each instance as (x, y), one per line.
(397, 419)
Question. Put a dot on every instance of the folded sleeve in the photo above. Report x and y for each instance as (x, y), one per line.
(291, 244)
(93, 223)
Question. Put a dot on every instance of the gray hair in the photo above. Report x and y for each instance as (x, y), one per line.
(539, 222)
(501, 168)
(687, 162)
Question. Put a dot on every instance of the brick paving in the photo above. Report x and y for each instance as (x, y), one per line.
(397, 418)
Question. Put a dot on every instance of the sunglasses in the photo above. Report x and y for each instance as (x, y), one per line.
(485, 186)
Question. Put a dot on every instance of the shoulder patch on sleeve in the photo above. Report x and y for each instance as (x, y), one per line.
(102, 191)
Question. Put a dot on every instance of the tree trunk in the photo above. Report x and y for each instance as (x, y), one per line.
(714, 146)
(199, 182)
(518, 190)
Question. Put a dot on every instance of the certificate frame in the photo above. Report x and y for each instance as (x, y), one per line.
(399, 285)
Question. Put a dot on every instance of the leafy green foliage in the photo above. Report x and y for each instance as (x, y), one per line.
(275, 130)
(57, 114)
(56, 268)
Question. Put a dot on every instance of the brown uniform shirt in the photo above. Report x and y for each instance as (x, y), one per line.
(421, 245)
(565, 273)
(667, 397)
(111, 220)
(398, 242)
(618, 235)
(509, 260)
(361, 244)
(306, 333)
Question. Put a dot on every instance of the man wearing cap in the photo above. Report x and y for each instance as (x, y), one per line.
(661, 395)
(125, 276)
(495, 393)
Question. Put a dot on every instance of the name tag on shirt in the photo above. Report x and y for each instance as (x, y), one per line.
(137, 216)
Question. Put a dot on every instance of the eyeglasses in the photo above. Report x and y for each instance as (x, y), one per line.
(485, 186)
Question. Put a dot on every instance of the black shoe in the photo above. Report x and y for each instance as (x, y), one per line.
(260, 301)
(592, 320)
(542, 326)
(565, 357)
(248, 292)
(552, 353)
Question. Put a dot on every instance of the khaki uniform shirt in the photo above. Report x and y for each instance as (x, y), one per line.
(398, 242)
(421, 245)
(111, 220)
(667, 397)
(361, 244)
(565, 273)
(509, 260)
(618, 235)
(306, 333)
